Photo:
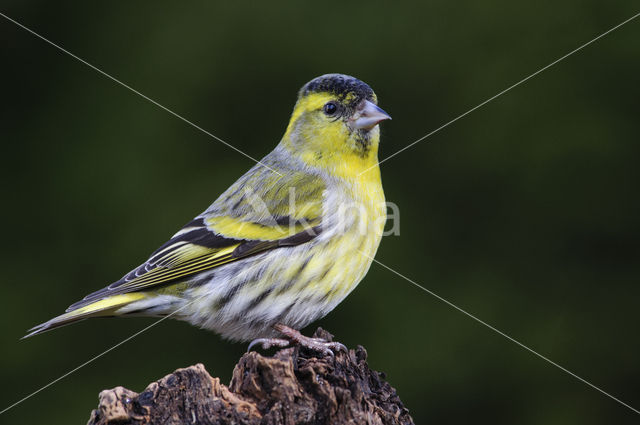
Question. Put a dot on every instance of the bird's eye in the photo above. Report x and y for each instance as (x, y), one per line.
(330, 108)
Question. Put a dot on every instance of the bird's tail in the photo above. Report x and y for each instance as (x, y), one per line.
(101, 308)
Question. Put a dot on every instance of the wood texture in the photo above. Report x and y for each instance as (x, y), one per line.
(294, 386)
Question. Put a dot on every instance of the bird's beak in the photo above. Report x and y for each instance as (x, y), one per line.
(368, 116)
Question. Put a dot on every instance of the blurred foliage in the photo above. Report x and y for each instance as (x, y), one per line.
(525, 212)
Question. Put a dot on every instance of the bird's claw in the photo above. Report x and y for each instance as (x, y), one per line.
(291, 335)
(267, 343)
(315, 344)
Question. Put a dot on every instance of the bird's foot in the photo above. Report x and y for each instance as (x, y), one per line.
(267, 343)
(293, 336)
(315, 344)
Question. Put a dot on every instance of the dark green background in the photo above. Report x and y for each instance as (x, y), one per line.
(525, 212)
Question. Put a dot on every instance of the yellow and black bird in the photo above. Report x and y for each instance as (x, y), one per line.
(284, 244)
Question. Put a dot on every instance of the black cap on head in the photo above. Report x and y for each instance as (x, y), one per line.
(340, 85)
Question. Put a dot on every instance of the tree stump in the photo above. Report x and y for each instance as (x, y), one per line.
(294, 386)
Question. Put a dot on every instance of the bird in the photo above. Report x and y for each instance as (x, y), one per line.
(283, 245)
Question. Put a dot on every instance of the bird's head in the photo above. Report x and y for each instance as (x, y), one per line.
(334, 125)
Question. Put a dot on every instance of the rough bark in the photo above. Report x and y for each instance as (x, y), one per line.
(294, 386)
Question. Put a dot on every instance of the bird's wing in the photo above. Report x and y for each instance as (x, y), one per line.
(261, 211)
